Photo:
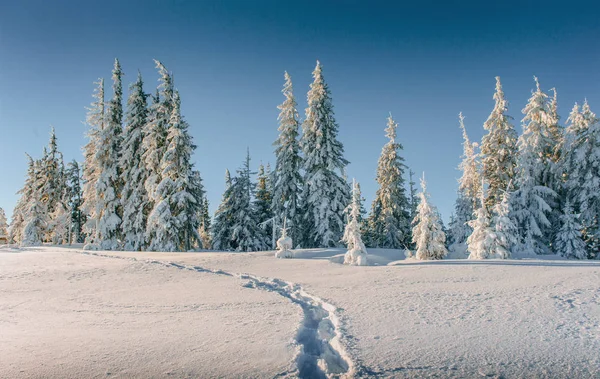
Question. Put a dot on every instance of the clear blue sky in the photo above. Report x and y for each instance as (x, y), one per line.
(423, 61)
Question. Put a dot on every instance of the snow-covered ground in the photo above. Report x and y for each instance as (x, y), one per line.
(68, 313)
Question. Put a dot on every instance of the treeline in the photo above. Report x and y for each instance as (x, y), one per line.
(536, 193)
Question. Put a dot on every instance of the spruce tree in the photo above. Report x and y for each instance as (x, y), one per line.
(427, 233)
(531, 201)
(585, 180)
(325, 192)
(36, 216)
(287, 183)
(222, 227)
(245, 232)
(357, 253)
(569, 240)
(17, 224)
(75, 201)
(154, 137)
(204, 230)
(3, 226)
(390, 213)
(506, 233)
(134, 198)
(108, 153)
(96, 120)
(262, 203)
(480, 242)
(173, 221)
(498, 149)
(469, 190)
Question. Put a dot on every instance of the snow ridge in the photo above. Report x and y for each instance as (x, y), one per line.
(322, 354)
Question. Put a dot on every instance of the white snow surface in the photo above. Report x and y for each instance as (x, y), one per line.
(70, 313)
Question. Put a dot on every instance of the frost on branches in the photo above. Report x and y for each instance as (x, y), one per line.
(357, 253)
(389, 223)
(287, 185)
(326, 191)
(569, 242)
(284, 244)
(428, 236)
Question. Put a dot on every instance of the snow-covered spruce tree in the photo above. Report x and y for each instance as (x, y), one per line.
(498, 149)
(469, 189)
(584, 182)
(569, 240)
(480, 242)
(326, 193)
(390, 212)
(17, 224)
(284, 243)
(53, 188)
(96, 119)
(530, 202)
(173, 220)
(427, 233)
(204, 228)
(3, 226)
(155, 135)
(246, 234)
(222, 227)
(36, 216)
(75, 201)
(262, 203)
(134, 198)
(506, 233)
(357, 253)
(413, 195)
(108, 153)
(287, 183)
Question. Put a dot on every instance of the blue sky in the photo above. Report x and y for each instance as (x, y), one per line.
(424, 62)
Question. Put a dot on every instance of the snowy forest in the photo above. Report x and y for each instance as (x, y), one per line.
(136, 188)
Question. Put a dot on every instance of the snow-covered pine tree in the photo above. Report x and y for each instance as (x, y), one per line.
(53, 186)
(173, 221)
(75, 201)
(469, 190)
(222, 227)
(287, 183)
(108, 153)
(585, 182)
(134, 198)
(246, 234)
(3, 226)
(506, 233)
(17, 225)
(326, 192)
(427, 233)
(480, 242)
(155, 135)
(357, 253)
(262, 203)
(390, 212)
(498, 149)
(531, 201)
(204, 230)
(569, 241)
(413, 195)
(36, 216)
(96, 119)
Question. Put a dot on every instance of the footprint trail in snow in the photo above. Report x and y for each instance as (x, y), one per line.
(322, 354)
